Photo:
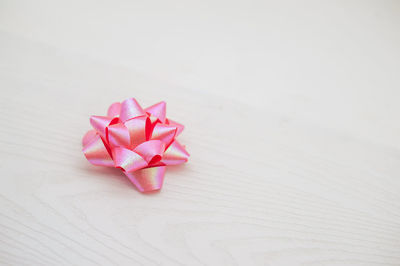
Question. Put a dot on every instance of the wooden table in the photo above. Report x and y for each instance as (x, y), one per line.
(292, 123)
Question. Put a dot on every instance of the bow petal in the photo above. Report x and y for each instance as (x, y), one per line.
(128, 160)
(148, 179)
(100, 123)
(175, 154)
(151, 150)
(130, 108)
(139, 130)
(158, 110)
(97, 153)
(164, 132)
(118, 135)
(88, 137)
(179, 127)
(114, 109)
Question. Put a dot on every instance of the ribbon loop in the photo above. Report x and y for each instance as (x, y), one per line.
(179, 127)
(96, 152)
(148, 179)
(151, 150)
(130, 108)
(114, 110)
(158, 110)
(128, 160)
(164, 132)
(117, 135)
(175, 154)
(100, 123)
(139, 130)
(88, 137)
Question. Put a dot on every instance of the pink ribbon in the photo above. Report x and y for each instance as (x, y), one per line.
(140, 142)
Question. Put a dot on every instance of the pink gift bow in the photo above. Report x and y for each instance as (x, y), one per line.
(139, 142)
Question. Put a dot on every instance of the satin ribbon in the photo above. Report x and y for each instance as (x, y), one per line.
(140, 142)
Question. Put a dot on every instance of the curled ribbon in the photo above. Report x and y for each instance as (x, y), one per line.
(140, 142)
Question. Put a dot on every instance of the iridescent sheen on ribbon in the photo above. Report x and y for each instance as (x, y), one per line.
(140, 142)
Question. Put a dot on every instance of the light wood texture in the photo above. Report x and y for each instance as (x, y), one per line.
(297, 180)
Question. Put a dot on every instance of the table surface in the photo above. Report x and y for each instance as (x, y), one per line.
(292, 121)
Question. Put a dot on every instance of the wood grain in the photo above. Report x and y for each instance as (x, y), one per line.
(260, 188)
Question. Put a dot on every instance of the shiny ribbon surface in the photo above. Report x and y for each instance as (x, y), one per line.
(140, 142)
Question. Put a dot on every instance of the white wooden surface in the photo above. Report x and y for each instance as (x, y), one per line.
(292, 121)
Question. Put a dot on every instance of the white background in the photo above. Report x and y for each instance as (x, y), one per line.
(292, 121)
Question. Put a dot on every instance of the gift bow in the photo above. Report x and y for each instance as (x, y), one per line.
(140, 142)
